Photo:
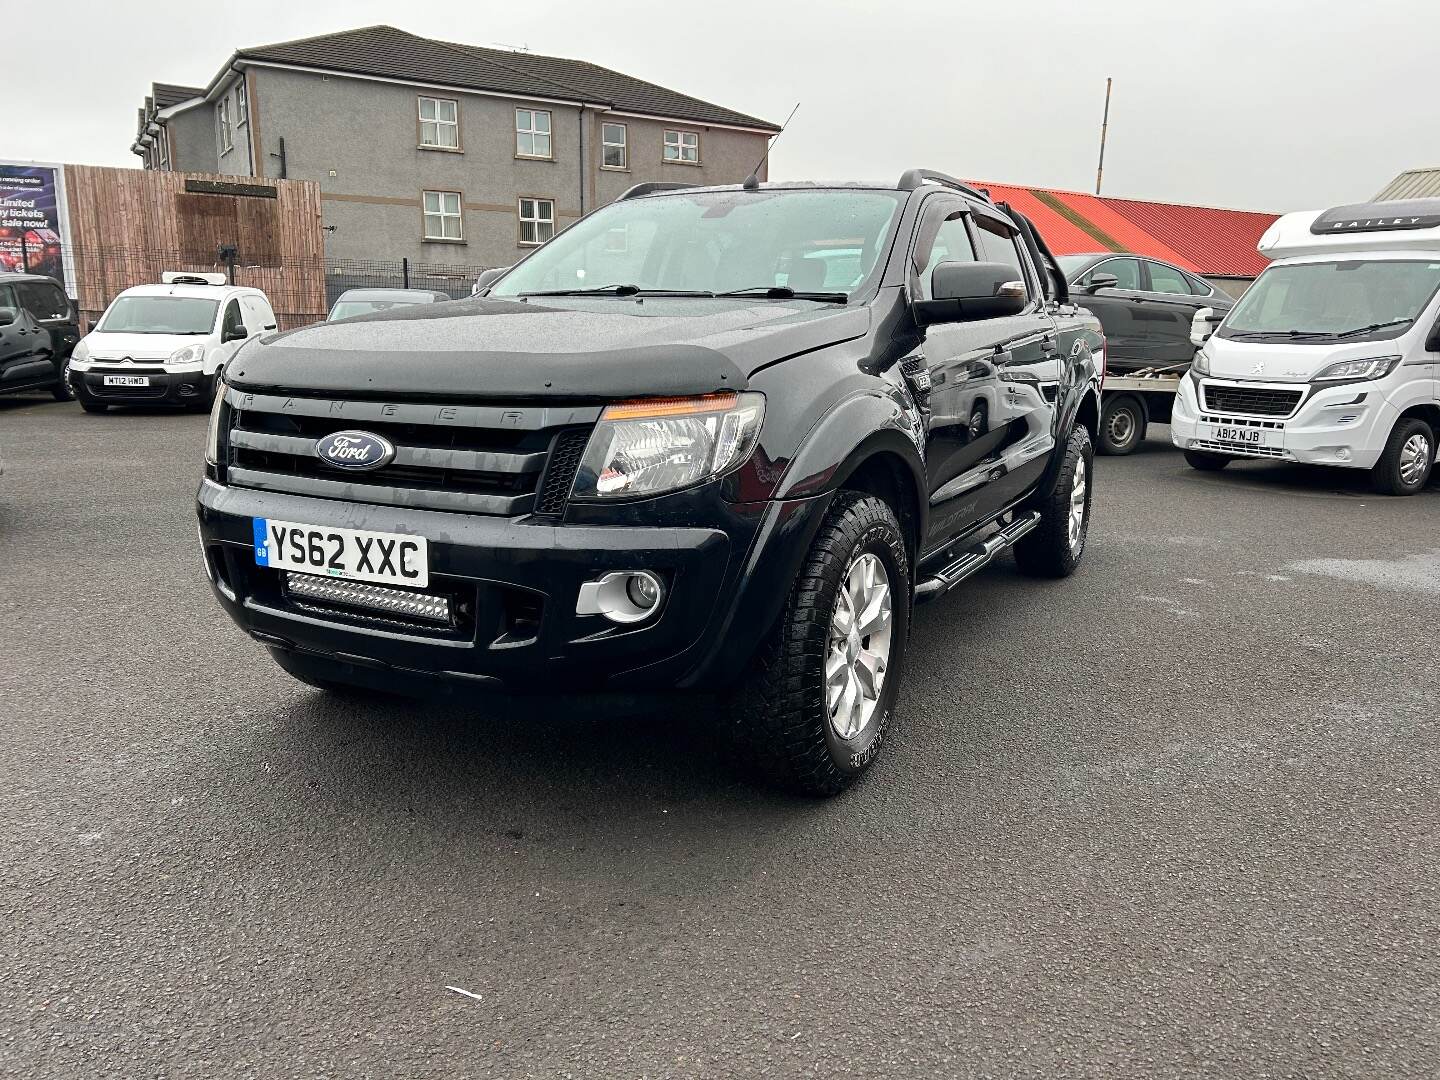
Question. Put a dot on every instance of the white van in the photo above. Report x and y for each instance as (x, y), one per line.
(163, 344)
(1332, 357)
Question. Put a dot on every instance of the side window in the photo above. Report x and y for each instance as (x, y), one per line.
(1166, 279)
(951, 244)
(1000, 244)
(265, 312)
(1198, 287)
(44, 301)
(232, 318)
(1126, 270)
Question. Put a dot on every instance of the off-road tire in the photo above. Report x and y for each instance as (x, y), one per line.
(94, 406)
(1116, 437)
(779, 720)
(1386, 477)
(1207, 462)
(1046, 550)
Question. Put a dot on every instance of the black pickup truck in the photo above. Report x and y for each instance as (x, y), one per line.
(716, 439)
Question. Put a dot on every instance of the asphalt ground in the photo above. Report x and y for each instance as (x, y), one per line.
(1174, 816)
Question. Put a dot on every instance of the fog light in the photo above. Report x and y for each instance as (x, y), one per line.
(1343, 454)
(360, 594)
(626, 596)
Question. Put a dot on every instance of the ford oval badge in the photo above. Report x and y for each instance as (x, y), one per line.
(355, 450)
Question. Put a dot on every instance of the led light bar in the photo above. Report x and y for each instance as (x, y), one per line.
(361, 594)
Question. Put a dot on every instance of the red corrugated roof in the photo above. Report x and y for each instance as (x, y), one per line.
(1201, 239)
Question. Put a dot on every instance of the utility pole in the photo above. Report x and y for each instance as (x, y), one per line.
(1104, 125)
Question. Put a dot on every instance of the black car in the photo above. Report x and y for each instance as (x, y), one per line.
(1146, 307)
(704, 439)
(38, 329)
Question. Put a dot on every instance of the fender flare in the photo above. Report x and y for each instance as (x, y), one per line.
(830, 453)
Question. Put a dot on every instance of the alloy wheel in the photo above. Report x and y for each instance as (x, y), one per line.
(859, 652)
(1414, 457)
(1077, 505)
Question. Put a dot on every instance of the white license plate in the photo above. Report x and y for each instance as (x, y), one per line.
(1242, 437)
(352, 554)
(127, 380)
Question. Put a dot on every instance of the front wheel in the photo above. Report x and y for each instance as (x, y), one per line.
(1407, 459)
(62, 390)
(1054, 547)
(818, 701)
(1199, 459)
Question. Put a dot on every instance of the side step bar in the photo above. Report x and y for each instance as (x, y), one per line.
(975, 558)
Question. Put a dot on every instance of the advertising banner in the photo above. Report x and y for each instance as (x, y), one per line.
(34, 225)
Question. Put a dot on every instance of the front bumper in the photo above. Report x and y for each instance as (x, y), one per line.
(178, 386)
(515, 583)
(1344, 426)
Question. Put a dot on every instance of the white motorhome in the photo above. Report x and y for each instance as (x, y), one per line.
(1332, 357)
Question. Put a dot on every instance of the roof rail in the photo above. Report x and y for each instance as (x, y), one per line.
(915, 178)
(649, 189)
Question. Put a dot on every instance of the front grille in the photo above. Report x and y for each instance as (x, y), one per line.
(1234, 450)
(1251, 400)
(482, 459)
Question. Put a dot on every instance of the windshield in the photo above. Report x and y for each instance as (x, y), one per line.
(1070, 265)
(1323, 300)
(345, 308)
(159, 315)
(825, 241)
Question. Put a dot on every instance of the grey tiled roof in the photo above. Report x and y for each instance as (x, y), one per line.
(167, 94)
(391, 53)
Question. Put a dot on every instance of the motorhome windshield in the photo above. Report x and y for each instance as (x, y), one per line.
(1322, 301)
(812, 242)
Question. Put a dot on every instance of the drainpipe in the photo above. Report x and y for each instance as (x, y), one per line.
(583, 174)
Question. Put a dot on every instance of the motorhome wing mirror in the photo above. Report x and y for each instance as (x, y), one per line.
(487, 278)
(1203, 325)
(1101, 281)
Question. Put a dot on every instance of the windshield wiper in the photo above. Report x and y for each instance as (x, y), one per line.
(1246, 334)
(620, 290)
(1358, 330)
(785, 292)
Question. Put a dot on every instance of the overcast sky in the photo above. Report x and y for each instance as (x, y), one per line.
(1265, 104)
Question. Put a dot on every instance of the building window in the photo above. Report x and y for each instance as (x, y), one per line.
(532, 133)
(682, 147)
(537, 220)
(442, 215)
(163, 145)
(614, 154)
(227, 142)
(242, 103)
(439, 123)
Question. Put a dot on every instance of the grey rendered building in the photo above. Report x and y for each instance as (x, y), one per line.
(440, 152)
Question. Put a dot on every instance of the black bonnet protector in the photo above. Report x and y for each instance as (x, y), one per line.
(596, 348)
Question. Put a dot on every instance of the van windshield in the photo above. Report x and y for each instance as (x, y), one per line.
(1322, 301)
(826, 241)
(159, 315)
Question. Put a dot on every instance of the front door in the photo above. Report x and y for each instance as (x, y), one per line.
(1118, 309)
(1169, 309)
(24, 346)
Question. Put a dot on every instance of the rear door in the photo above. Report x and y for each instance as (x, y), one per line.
(51, 309)
(1116, 308)
(1169, 309)
(24, 346)
(1029, 366)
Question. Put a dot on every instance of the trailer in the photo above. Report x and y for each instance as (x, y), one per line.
(1130, 402)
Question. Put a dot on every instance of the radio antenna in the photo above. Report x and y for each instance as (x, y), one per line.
(753, 180)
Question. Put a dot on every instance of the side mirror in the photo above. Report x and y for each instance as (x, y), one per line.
(235, 333)
(1203, 325)
(1101, 281)
(967, 291)
(487, 278)
(8, 315)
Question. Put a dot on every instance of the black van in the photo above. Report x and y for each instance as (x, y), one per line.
(38, 330)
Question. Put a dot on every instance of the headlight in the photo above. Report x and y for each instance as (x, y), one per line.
(1201, 364)
(81, 352)
(654, 445)
(1374, 368)
(212, 434)
(188, 354)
